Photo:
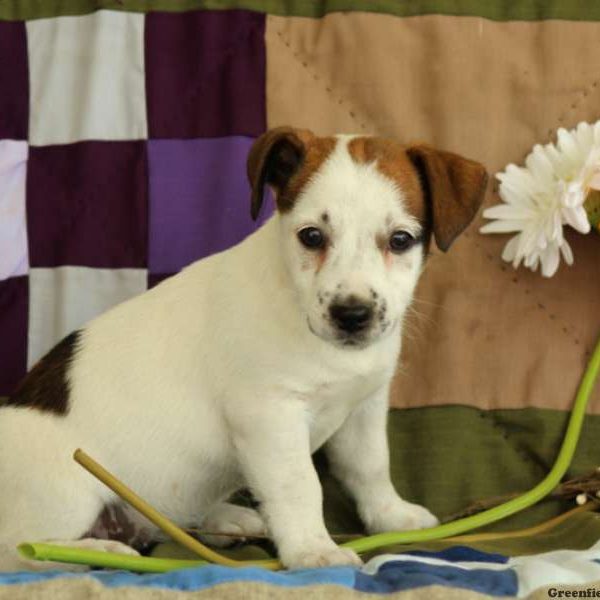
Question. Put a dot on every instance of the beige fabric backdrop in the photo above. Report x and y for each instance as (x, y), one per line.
(485, 335)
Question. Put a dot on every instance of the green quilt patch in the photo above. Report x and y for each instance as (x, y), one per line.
(524, 10)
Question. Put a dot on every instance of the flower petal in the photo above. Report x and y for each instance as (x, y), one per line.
(568, 147)
(567, 253)
(573, 195)
(504, 226)
(509, 211)
(577, 218)
(539, 164)
(550, 260)
(510, 250)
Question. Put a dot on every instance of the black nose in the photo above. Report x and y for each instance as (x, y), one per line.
(351, 317)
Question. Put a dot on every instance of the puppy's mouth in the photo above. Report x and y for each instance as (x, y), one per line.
(357, 340)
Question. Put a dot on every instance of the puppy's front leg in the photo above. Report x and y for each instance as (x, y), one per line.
(358, 454)
(273, 450)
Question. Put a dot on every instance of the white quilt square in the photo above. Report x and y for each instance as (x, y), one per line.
(86, 78)
(14, 256)
(63, 299)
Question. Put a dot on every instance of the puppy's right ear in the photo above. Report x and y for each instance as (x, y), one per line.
(454, 187)
(274, 157)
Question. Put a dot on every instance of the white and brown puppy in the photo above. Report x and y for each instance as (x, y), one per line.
(233, 372)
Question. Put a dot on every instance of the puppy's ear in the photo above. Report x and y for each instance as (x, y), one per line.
(274, 157)
(454, 188)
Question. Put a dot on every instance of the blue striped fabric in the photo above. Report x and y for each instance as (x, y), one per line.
(200, 578)
(458, 567)
(395, 576)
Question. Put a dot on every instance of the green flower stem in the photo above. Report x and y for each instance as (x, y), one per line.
(110, 560)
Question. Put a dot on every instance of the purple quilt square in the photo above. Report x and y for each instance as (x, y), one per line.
(14, 82)
(14, 294)
(199, 199)
(205, 74)
(87, 205)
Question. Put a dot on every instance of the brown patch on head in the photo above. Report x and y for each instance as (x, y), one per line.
(442, 190)
(317, 150)
(285, 159)
(454, 187)
(46, 387)
(391, 160)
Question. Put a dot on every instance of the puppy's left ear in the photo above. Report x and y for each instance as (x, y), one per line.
(274, 157)
(454, 188)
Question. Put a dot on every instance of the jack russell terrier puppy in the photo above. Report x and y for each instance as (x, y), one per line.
(233, 372)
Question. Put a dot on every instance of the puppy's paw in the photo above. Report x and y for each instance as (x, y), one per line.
(237, 522)
(400, 516)
(320, 555)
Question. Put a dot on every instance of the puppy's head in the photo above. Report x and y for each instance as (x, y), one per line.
(356, 215)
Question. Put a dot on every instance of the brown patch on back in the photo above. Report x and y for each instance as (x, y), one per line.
(391, 160)
(46, 387)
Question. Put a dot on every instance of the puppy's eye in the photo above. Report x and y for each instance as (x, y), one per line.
(311, 238)
(400, 241)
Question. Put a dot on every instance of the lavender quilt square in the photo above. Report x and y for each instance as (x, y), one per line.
(14, 301)
(87, 205)
(87, 78)
(64, 299)
(205, 73)
(199, 199)
(13, 223)
(14, 82)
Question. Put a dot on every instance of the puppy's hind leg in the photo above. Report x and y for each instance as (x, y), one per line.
(11, 561)
(66, 528)
(44, 513)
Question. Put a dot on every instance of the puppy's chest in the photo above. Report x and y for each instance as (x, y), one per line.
(330, 404)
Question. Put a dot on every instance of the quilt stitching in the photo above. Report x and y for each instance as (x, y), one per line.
(502, 429)
(340, 100)
(580, 98)
(514, 278)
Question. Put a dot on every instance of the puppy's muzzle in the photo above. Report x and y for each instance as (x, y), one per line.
(351, 317)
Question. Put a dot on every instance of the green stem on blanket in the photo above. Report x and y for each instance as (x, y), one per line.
(111, 560)
(373, 542)
(511, 507)
(161, 520)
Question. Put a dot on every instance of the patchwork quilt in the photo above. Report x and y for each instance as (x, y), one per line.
(124, 128)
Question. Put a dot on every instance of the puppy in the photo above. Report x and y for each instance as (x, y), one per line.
(233, 372)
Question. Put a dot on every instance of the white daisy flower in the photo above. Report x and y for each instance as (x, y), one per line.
(546, 194)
